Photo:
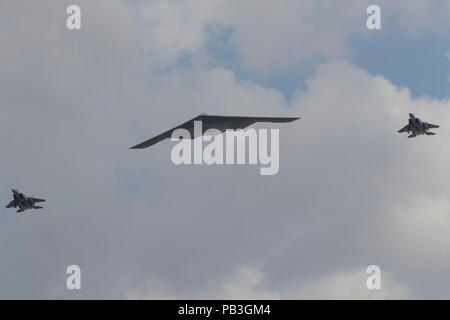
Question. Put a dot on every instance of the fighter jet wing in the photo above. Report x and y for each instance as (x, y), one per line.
(21, 210)
(404, 129)
(217, 122)
(431, 126)
(37, 200)
(10, 205)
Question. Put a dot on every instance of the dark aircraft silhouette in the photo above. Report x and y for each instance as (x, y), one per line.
(417, 127)
(213, 122)
(22, 202)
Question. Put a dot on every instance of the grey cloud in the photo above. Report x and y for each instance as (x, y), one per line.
(72, 104)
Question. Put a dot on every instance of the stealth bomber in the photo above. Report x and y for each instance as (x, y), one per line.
(220, 123)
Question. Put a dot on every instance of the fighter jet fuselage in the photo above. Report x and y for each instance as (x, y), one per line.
(417, 127)
(23, 202)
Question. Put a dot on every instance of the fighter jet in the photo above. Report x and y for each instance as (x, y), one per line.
(221, 123)
(23, 202)
(417, 127)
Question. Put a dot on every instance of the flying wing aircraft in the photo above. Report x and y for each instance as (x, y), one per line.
(221, 123)
(23, 202)
(417, 127)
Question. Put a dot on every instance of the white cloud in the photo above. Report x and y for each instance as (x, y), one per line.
(244, 284)
(248, 283)
(347, 180)
(283, 35)
(336, 183)
(352, 285)
(417, 228)
(270, 36)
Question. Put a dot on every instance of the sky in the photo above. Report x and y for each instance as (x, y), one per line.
(351, 192)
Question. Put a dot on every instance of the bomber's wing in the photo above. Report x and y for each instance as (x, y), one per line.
(37, 200)
(431, 126)
(155, 140)
(404, 129)
(217, 122)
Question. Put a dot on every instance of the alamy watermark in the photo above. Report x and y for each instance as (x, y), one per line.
(73, 22)
(373, 281)
(373, 22)
(74, 279)
(231, 151)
